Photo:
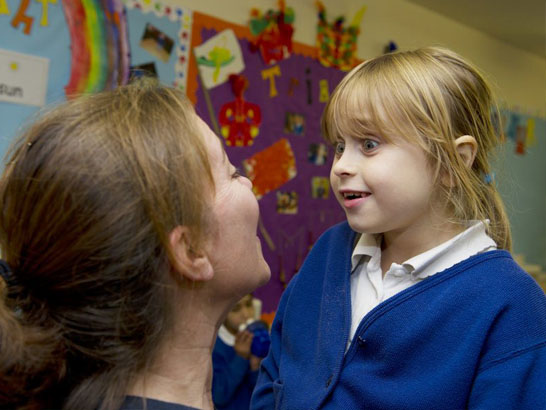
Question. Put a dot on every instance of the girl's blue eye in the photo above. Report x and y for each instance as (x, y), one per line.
(369, 144)
(339, 147)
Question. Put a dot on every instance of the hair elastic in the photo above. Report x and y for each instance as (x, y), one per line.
(7, 275)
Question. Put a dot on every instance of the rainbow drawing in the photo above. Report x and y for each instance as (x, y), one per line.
(99, 44)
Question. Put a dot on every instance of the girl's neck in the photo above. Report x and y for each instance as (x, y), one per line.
(398, 247)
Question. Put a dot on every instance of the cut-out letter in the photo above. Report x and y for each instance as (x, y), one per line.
(270, 74)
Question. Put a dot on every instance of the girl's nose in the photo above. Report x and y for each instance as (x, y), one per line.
(343, 166)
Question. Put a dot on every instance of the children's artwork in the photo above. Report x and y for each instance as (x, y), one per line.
(320, 187)
(269, 74)
(23, 78)
(287, 202)
(99, 45)
(239, 119)
(278, 161)
(218, 58)
(336, 43)
(156, 42)
(324, 91)
(521, 137)
(22, 17)
(175, 22)
(143, 70)
(317, 154)
(294, 123)
(272, 32)
(271, 168)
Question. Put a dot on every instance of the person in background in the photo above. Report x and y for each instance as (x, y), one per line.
(234, 362)
(127, 237)
(415, 302)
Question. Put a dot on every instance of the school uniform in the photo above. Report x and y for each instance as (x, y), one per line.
(233, 381)
(468, 335)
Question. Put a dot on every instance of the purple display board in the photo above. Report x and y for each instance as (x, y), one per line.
(295, 214)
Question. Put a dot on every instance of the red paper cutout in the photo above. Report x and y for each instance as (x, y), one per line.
(239, 120)
(273, 33)
(271, 168)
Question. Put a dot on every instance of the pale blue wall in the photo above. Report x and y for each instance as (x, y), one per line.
(521, 181)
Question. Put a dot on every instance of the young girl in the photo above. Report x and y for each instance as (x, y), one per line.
(127, 237)
(415, 303)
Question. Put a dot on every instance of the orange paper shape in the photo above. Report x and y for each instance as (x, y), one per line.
(271, 167)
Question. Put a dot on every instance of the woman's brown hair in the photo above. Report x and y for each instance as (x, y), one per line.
(430, 96)
(88, 196)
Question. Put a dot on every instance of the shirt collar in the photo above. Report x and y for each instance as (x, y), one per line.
(468, 243)
(367, 245)
(225, 336)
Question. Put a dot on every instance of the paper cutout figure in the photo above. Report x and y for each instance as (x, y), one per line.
(22, 18)
(521, 137)
(530, 140)
(239, 120)
(287, 202)
(4, 9)
(320, 187)
(270, 74)
(337, 44)
(271, 168)
(219, 57)
(272, 32)
(294, 82)
(294, 123)
(44, 20)
(324, 93)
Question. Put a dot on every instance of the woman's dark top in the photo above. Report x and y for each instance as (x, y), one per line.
(137, 403)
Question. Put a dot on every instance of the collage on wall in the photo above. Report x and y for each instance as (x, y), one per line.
(261, 92)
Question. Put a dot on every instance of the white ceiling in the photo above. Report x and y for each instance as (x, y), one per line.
(519, 23)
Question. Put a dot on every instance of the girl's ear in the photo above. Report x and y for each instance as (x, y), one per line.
(467, 147)
(192, 264)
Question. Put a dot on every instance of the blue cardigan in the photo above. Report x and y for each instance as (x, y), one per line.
(472, 336)
(232, 380)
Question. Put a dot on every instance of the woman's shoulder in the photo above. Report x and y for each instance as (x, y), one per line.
(140, 403)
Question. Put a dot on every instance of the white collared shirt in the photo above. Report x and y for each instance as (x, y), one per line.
(226, 336)
(368, 285)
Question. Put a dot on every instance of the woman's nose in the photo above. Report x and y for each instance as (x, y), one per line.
(244, 180)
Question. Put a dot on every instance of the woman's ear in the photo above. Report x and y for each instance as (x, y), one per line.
(192, 264)
(467, 147)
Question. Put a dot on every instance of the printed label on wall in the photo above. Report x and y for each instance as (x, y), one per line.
(23, 78)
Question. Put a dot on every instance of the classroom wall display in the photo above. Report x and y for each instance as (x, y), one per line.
(80, 46)
(288, 160)
(266, 110)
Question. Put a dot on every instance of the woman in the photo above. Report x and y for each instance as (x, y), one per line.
(128, 236)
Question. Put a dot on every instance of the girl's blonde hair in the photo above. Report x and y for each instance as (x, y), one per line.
(430, 96)
(87, 200)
